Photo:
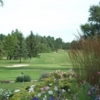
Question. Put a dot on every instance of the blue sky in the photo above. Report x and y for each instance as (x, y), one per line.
(57, 18)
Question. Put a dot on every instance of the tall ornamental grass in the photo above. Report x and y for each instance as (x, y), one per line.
(85, 58)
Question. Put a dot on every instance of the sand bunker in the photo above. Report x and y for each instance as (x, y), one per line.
(18, 65)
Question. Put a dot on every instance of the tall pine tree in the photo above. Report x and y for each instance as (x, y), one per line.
(32, 46)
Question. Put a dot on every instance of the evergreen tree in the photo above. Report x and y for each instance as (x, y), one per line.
(20, 50)
(32, 46)
(58, 44)
(1, 51)
(9, 46)
(51, 43)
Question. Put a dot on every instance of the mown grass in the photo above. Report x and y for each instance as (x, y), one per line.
(47, 62)
(45, 59)
(12, 74)
(13, 86)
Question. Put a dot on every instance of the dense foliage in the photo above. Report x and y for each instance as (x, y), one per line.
(50, 88)
(93, 25)
(23, 78)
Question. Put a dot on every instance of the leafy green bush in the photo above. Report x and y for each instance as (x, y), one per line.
(24, 78)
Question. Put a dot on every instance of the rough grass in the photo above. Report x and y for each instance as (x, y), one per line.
(86, 62)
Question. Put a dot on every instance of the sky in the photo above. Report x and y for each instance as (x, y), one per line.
(56, 18)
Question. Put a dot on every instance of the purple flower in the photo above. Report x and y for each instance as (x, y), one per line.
(51, 98)
(47, 87)
(92, 89)
(96, 98)
(35, 98)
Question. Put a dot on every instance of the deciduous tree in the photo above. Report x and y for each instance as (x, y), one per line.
(93, 25)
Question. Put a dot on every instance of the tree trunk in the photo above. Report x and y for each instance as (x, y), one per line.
(20, 59)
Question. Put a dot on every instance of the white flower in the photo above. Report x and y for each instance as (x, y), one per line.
(63, 90)
(50, 92)
(39, 95)
(50, 84)
(18, 90)
(31, 89)
(1, 91)
(68, 90)
(45, 96)
(7, 95)
(44, 99)
(55, 88)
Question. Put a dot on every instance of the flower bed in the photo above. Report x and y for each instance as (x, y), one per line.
(63, 87)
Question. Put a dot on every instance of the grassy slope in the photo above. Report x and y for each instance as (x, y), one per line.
(36, 67)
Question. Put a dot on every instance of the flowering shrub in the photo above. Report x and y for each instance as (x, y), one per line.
(49, 89)
(48, 92)
(55, 89)
(5, 94)
(58, 74)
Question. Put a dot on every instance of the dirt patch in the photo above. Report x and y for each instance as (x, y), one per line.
(18, 65)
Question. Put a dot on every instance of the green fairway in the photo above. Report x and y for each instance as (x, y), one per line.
(45, 63)
(54, 58)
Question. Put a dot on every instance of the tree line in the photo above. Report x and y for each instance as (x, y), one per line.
(16, 46)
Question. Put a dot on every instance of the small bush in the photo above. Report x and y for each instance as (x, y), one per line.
(44, 75)
(24, 78)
